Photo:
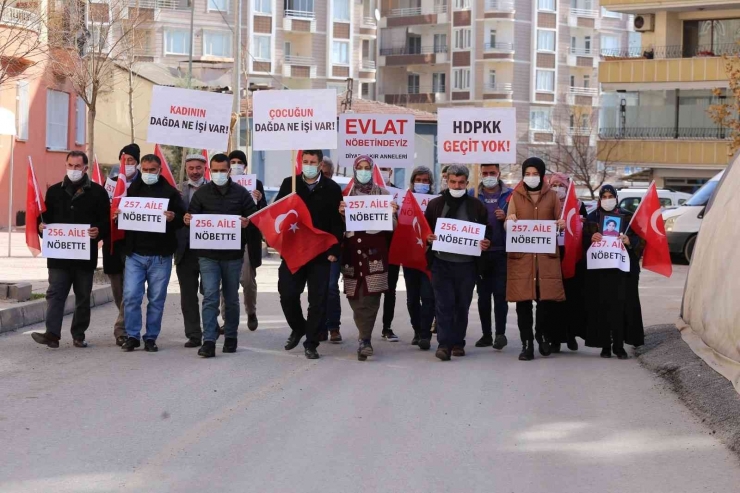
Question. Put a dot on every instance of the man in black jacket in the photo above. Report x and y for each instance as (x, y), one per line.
(322, 197)
(149, 257)
(221, 268)
(76, 200)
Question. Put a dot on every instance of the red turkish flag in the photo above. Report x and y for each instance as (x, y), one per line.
(573, 233)
(288, 228)
(409, 243)
(35, 207)
(97, 176)
(299, 163)
(649, 225)
(120, 191)
(377, 179)
(207, 174)
(166, 170)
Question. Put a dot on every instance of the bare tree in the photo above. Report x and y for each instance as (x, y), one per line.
(725, 113)
(21, 45)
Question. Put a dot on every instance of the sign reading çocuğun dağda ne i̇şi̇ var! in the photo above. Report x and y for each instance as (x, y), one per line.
(295, 119)
(476, 135)
(388, 139)
(66, 241)
(189, 118)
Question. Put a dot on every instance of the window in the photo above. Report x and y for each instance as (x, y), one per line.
(22, 110)
(610, 45)
(439, 82)
(365, 91)
(462, 4)
(340, 53)
(540, 119)
(413, 83)
(176, 42)
(586, 81)
(218, 5)
(461, 79)
(545, 40)
(217, 43)
(492, 38)
(462, 39)
(414, 43)
(263, 6)
(99, 38)
(57, 119)
(573, 44)
(587, 44)
(546, 5)
(262, 48)
(609, 13)
(299, 8)
(546, 80)
(572, 81)
(492, 78)
(341, 10)
(572, 121)
(440, 43)
(81, 111)
(288, 49)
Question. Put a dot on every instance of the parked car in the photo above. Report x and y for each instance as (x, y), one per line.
(682, 224)
(630, 198)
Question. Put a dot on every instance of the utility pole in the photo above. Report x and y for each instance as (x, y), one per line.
(236, 79)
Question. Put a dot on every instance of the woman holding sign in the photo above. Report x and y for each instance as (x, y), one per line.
(613, 303)
(365, 255)
(533, 276)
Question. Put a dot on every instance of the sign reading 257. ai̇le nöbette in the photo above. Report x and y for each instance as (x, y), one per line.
(476, 135)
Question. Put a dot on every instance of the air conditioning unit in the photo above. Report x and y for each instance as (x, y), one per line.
(644, 23)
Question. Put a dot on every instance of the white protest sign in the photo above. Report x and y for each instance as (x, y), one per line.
(397, 194)
(110, 187)
(66, 241)
(423, 200)
(608, 254)
(215, 232)
(295, 119)
(476, 135)
(461, 237)
(369, 213)
(247, 181)
(143, 214)
(189, 118)
(525, 236)
(388, 139)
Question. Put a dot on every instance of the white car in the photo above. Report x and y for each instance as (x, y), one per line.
(630, 198)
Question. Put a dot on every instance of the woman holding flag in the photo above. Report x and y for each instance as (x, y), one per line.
(364, 260)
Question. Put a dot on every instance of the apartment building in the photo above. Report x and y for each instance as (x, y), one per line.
(540, 56)
(295, 44)
(656, 95)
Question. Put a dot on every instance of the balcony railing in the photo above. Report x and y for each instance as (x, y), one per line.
(368, 64)
(417, 89)
(369, 21)
(675, 51)
(499, 87)
(299, 60)
(582, 51)
(301, 14)
(25, 19)
(408, 12)
(664, 133)
(499, 47)
(590, 13)
(160, 4)
(500, 6)
(421, 50)
(584, 91)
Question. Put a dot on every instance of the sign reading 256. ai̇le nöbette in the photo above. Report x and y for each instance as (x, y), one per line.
(476, 135)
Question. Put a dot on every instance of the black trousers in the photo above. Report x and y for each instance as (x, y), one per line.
(389, 297)
(60, 282)
(526, 320)
(188, 275)
(419, 301)
(315, 274)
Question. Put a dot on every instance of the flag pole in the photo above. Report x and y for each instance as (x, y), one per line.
(638, 206)
(476, 167)
(10, 195)
(292, 167)
(567, 194)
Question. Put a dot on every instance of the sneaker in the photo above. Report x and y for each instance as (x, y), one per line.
(130, 344)
(230, 344)
(46, 339)
(365, 350)
(208, 350)
(252, 322)
(150, 346)
(606, 353)
(193, 342)
(458, 351)
(389, 336)
(425, 344)
(335, 337)
(500, 342)
(79, 343)
(443, 353)
(415, 340)
(120, 340)
(485, 341)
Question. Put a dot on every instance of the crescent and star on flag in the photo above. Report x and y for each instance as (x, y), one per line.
(282, 217)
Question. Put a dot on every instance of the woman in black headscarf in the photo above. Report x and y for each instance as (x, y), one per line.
(614, 315)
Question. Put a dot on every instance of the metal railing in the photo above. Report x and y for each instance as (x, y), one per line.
(417, 89)
(16, 17)
(499, 87)
(590, 13)
(674, 51)
(582, 51)
(299, 60)
(407, 12)
(368, 64)
(369, 21)
(665, 133)
(419, 50)
(499, 6)
(584, 91)
(301, 14)
(160, 4)
(499, 46)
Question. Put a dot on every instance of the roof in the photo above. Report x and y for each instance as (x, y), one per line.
(368, 107)
(165, 75)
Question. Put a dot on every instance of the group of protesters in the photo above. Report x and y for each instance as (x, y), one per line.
(600, 306)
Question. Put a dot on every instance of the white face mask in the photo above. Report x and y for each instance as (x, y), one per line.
(310, 171)
(196, 183)
(532, 181)
(386, 176)
(457, 193)
(220, 178)
(237, 169)
(364, 175)
(421, 187)
(560, 191)
(150, 178)
(443, 184)
(608, 204)
(130, 171)
(74, 175)
(489, 181)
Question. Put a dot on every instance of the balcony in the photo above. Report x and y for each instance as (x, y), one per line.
(583, 58)
(498, 51)
(415, 16)
(414, 11)
(299, 67)
(709, 154)
(582, 96)
(581, 137)
(664, 133)
(424, 55)
(500, 7)
(417, 95)
(584, 18)
(20, 18)
(299, 22)
(368, 64)
(502, 91)
(160, 4)
(541, 136)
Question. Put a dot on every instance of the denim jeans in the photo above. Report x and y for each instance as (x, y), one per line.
(214, 274)
(453, 285)
(333, 302)
(155, 272)
(419, 301)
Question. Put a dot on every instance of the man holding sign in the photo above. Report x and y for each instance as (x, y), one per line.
(149, 249)
(76, 200)
(460, 225)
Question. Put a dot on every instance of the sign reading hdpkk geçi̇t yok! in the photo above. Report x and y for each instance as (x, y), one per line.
(143, 214)
(369, 213)
(461, 237)
(476, 135)
(66, 241)
(215, 232)
(529, 236)
(388, 139)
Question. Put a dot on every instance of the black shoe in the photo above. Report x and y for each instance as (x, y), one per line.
(527, 353)
(292, 341)
(47, 339)
(425, 344)
(573, 344)
(120, 340)
(415, 340)
(230, 344)
(311, 353)
(130, 345)
(500, 342)
(324, 336)
(365, 350)
(193, 342)
(606, 353)
(443, 353)
(220, 330)
(485, 341)
(545, 348)
(150, 346)
(389, 336)
(252, 322)
(208, 350)
(555, 348)
(621, 353)
(79, 343)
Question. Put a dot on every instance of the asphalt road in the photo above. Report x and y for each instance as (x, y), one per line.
(267, 420)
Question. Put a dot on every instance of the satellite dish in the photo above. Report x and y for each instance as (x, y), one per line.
(377, 15)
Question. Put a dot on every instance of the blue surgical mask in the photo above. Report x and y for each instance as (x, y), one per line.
(421, 187)
(310, 171)
(364, 175)
(150, 178)
(220, 178)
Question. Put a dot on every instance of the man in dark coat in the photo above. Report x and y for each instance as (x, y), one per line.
(76, 200)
